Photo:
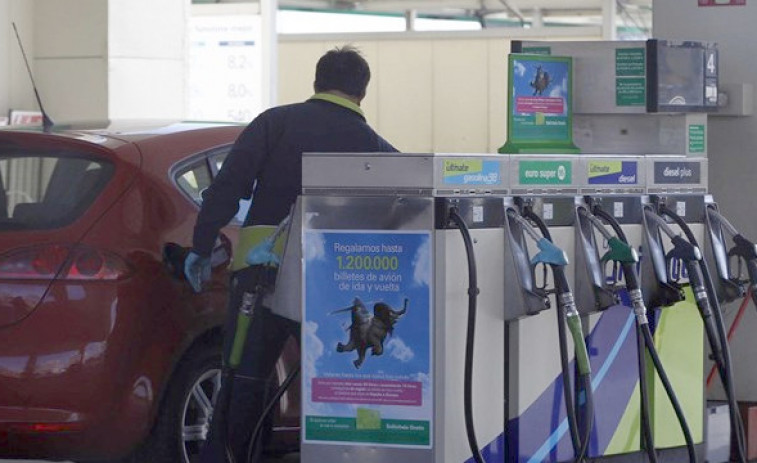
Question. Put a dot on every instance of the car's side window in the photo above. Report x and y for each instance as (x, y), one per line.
(196, 175)
(194, 180)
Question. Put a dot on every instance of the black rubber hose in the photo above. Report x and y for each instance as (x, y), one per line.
(255, 436)
(580, 446)
(227, 376)
(562, 338)
(737, 425)
(671, 394)
(470, 336)
(632, 283)
(646, 422)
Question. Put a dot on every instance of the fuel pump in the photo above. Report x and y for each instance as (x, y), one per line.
(620, 252)
(403, 382)
(554, 257)
(687, 251)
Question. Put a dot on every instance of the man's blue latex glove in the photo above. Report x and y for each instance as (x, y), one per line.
(196, 270)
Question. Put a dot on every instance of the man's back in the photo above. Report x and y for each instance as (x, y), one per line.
(313, 126)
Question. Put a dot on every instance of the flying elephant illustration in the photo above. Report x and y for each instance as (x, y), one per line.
(541, 81)
(369, 330)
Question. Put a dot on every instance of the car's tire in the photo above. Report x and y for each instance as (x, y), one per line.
(183, 420)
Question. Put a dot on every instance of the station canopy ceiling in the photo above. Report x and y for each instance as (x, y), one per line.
(491, 13)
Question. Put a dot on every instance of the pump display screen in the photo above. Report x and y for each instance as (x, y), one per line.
(683, 77)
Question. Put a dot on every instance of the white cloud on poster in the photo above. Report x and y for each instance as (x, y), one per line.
(422, 264)
(399, 350)
(315, 248)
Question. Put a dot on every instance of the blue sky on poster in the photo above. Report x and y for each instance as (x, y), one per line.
(557, 72)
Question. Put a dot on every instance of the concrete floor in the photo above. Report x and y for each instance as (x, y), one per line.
(291, 458)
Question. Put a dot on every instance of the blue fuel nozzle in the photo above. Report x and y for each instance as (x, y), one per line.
(549, 254)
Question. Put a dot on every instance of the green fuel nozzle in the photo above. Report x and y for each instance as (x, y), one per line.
(620, 252)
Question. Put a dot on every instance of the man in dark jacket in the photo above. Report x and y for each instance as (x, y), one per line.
(265, 165)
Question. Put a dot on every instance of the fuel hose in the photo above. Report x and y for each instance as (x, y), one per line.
(645, 343)
(710, 307)
(569, 316)
(470, 335)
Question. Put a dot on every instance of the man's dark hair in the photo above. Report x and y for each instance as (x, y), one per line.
(342, 69)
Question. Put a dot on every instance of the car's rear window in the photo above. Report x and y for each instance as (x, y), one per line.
(50, 189)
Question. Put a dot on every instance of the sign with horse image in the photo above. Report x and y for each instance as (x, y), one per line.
(367, 337)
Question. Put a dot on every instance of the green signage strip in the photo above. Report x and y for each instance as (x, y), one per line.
(537, 50)
(630, 91)
(697, 141)
(545, 172)
(630, 62)
(339, 429)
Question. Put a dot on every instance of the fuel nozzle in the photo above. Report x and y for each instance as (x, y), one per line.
(620, 252)
(663, 292)
(549, 254)
(747, 250)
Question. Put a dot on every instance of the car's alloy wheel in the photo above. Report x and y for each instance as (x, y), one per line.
(185, 414)
(197, 412)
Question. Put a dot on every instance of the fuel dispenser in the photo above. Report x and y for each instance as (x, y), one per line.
(403, 321)
(636, 98)
(609, 218)
(615, 183)
(672, 284)
(548, 371)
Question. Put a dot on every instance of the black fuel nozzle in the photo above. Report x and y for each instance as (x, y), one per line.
(730, 284)
(663, 292)
(684, 250)
(747, 251)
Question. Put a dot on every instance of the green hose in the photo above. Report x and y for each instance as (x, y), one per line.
(582, 354)
(240, 336)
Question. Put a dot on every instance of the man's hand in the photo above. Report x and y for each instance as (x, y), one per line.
(196, 270)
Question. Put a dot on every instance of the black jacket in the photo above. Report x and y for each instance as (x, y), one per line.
(266, 163)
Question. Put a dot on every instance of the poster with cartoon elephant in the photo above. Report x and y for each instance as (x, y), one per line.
(367, 337)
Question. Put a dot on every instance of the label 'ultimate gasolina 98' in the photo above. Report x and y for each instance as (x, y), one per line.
(366, 338)
(471, 172)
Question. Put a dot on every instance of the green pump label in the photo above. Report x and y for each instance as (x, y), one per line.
(545, 172)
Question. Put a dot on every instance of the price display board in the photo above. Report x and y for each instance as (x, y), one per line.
(225, 68)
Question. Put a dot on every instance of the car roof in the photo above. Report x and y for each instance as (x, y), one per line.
(159, 142)
(126, 130)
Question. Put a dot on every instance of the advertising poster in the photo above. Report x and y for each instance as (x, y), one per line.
(541, 99)
(367, 338)
(539, 113)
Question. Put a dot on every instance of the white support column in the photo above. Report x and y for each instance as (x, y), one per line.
(6, 63)
(146, 58)
(410, 17)
(537, 20)
(268, 10)
(609, 15)
(99, 60)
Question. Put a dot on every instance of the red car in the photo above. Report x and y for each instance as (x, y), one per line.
(105, 352)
